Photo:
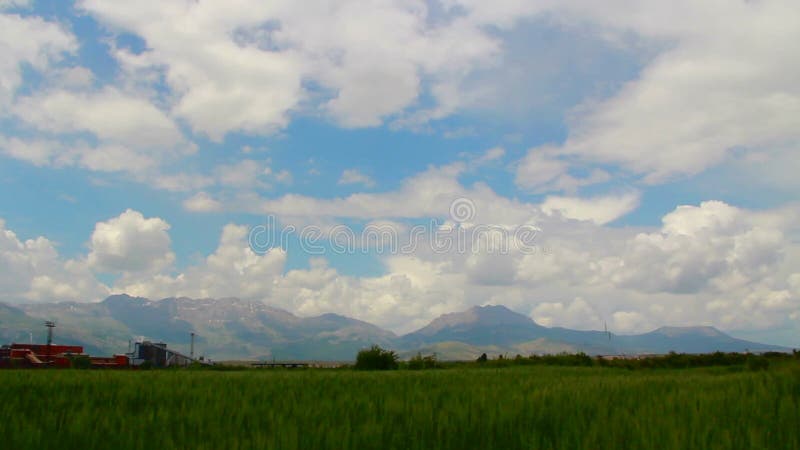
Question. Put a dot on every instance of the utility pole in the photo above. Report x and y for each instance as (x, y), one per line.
(50, 325)
(191, 350)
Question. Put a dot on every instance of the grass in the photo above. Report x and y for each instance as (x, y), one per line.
(510, 408)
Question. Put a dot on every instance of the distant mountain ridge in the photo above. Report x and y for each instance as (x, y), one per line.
(479, 325)
(230, 328)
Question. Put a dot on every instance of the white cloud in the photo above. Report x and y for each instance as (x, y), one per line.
(707, 264)
(75, 77)
(634, 279)
(68, 124)
(720, 80)
(36, 152)
(246, 173)
(181, 182)
(492, 154)
(430, 194)
(44, 44)
(132, 134)
(232, 270)
(490, 268)
(105, 131)
(577, 313)
(405, 297)
(245, 67)
(353, 176)
(202, 202)
(540, 168)
(131, 244)
(111, 115)
(284, 177)
(711, 246)
(724, 80)
(34, 272)
(600, 210)
(543, 169)
(629, 322)
(4, 4)
(241, 176)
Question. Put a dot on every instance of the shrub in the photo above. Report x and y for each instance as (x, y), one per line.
(420, 362)
(376, 358)
(80, 362)
(757, 363)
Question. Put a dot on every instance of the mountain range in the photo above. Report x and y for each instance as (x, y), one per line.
(230, 328)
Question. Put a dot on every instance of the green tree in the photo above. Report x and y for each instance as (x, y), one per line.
(80, 362)
(376, 358)
(755, 363)
(420, 362)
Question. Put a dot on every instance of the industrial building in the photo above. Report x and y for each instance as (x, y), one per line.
(143, 354)
(156, 354)
(55, 356)
(150, 354)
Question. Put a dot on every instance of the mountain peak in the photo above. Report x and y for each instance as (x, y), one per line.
(706, 331)
(494, 308)
(499, 315)
(479, 324)
(123, 299)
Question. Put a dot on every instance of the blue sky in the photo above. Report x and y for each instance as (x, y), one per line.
(653, 147)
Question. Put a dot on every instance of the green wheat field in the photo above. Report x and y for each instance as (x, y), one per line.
(461, 408)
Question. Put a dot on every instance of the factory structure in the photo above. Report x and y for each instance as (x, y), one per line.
(142, 354)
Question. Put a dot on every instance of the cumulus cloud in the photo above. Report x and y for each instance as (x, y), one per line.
(284, 176)
(353, 176)
(45, 43)
(108, 114)
(600, 210)
(68, 122)
(181, 182)
(629, 322)
(242, 174)
(232, 270)
(711, 263)
(33, 271)
(493, 154)
(711, 245)
(722, 80)
(430, 194)
(131, 244)
(132, 134)
(543, 169)
(577, 313)
(702, 257)
(490, 268)
(202, 202)
(102, 130)
(13, 3)
(434, 189)
(409, 294)
(246, 67)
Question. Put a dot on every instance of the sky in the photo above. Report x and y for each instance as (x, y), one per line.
(584, 163)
